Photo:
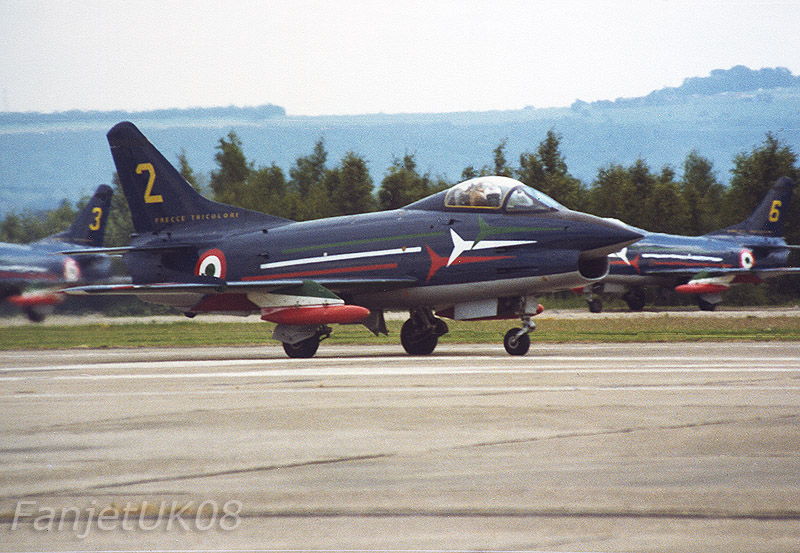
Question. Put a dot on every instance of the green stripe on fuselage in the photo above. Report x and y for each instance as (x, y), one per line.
(362, 242)
(488, 230)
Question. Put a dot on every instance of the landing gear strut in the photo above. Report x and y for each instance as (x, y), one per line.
(706, 305)
(420, 333)
(595, 305)
(593, 295)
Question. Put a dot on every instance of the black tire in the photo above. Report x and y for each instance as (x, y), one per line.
(304, 349)
(596, 305)
(635, 299)
(706, 305)
(515, 345)
(416, 341)
(34, 315)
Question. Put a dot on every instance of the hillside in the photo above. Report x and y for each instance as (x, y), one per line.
(47, 157)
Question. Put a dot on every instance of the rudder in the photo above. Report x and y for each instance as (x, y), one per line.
(89, 227)
(767, 219)
(158, 195)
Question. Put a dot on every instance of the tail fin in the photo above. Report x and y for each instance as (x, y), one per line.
(767, 219)
(89, 227)
(159, 197)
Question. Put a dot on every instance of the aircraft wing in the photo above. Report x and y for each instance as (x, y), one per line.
(161, 288)
(713, 281)
(290, 302)
(778, 271)
(717, 271)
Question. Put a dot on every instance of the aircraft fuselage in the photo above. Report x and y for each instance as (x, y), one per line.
(445, 256)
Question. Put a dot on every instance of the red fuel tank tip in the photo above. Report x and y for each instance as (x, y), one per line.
(35, 299)
(700, 288)
(315, 314)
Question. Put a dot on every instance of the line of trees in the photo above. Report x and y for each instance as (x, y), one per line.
(692, 202)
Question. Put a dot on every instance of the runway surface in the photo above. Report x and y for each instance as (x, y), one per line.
(575, 447)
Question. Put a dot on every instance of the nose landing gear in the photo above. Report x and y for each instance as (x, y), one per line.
(516, 341)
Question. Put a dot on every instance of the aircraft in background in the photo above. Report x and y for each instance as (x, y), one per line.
(31, 274)
(704, 266)
(479, 250)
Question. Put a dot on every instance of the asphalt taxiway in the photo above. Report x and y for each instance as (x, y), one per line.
(574, 447)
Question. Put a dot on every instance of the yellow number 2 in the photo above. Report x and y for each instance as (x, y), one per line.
(774, 212)
(98, 213)
(149, 197)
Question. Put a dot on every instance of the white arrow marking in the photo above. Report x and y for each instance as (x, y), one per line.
(460, 245)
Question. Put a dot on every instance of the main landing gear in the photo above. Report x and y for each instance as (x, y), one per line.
(420, 333)
(34, 315)
(307, 347)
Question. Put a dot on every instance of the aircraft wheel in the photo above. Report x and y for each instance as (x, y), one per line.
(706, 305)
(635, 299)
(416, 341)
(596, 305)
(516, 345)
(34, 315)
(304, 349)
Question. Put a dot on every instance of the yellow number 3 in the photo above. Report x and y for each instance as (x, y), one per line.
(98, 214)
(775, 212)
(149, 197)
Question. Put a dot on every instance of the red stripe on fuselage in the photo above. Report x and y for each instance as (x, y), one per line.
(437, 261)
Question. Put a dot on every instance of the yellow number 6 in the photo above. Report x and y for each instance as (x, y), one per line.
(98, 213)
(774, 212)
(149, 197)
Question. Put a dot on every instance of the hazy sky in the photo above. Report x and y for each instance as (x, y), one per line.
(346, 57)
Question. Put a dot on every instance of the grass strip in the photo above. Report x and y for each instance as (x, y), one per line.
(192, 333)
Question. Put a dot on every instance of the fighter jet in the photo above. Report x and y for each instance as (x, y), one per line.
(704, 266)
(32, 274)
(480, 250)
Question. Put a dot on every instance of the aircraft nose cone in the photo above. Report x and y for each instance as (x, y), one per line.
(620, 232)
(611, 236)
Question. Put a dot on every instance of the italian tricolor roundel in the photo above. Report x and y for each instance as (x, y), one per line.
(746, 259)
(211, 263)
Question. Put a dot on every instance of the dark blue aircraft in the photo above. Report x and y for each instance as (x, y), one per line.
(32, 274)
(479, 250)
(704, 266)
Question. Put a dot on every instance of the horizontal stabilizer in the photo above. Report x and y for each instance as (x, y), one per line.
(119, 250)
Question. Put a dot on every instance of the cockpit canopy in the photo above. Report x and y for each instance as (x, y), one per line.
(498, 192)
